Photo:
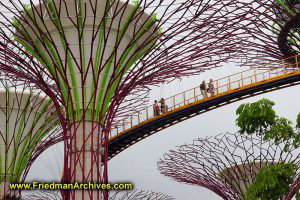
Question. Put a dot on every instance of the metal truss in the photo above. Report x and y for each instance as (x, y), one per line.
(113, 195)
(268, 30)
(28, 126)
(226, 164)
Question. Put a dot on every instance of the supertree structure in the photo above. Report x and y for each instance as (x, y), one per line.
(114, 195)
(90, 56)
(28, 126)
(269, 31)
(138, 195)
(225, 164)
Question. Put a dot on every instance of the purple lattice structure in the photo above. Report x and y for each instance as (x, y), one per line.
(114, 195)
(268, 31)
(225, 164)
(97, 60)
(28, 126)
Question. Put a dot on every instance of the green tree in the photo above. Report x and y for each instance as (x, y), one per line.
(272, 182)
(259, 118)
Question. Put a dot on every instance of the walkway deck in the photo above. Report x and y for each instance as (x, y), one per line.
(190, 103)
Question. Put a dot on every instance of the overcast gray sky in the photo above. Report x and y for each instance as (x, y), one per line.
(137, 164)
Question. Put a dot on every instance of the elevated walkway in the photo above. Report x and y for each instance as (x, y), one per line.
(180, 107)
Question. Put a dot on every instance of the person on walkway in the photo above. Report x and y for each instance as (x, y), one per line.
(155, 108)
(162, 105)
(211, 88)
(203, 89)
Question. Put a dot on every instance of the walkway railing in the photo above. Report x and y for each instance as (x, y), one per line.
(222, 86)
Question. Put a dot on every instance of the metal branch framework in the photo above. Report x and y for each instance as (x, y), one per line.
(225, 164)
(98, 58)
(113, 195)
(268, 30)
(28, 126)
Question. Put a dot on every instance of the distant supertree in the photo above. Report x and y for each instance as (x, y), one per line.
(269, 30)
(90, 56)
(138, 195)
(112, 195)
(225, 164)
(28, 126)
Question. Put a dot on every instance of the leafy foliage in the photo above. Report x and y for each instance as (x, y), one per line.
(259, 118)
(282, 132)
(272, 182)
(298, 195)
(298, 121)
(255, 117)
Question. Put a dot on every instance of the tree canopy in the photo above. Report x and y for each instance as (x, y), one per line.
(260, 118)
(272, 182)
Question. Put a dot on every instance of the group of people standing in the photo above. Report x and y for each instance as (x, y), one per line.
(210, 88)
(163, 107)
(204, 90)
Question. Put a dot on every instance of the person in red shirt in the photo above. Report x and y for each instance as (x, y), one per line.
(155, 108)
